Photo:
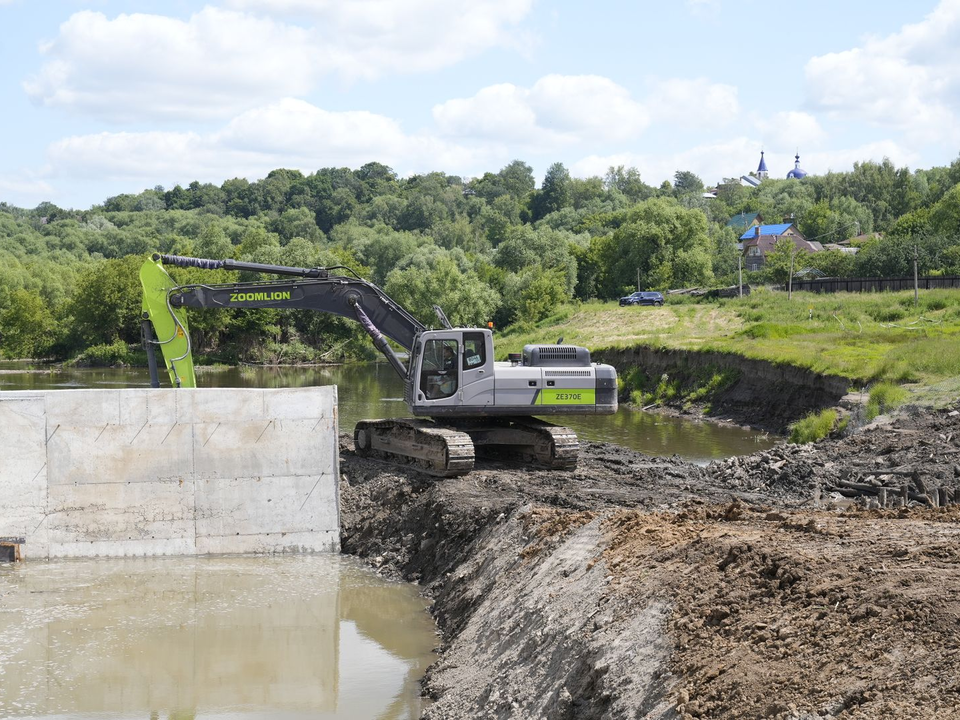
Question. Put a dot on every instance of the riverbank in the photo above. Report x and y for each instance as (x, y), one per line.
(638, 586)
(856, 339)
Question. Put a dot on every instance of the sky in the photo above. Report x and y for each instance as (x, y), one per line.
(101, 97)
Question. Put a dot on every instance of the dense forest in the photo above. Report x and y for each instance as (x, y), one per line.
(496, 247)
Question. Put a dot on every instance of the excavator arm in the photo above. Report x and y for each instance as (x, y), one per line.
(164, 319)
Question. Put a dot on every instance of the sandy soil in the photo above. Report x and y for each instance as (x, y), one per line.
(638, 587)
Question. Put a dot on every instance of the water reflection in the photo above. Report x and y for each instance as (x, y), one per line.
(373, 390)
(237, 637)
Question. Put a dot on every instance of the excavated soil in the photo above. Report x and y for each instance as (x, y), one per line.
(766, 586)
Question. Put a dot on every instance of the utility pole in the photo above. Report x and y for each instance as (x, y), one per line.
(638, 278)
(740, 272)
(916, 280)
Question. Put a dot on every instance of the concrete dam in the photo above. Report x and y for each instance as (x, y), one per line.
(143, 472)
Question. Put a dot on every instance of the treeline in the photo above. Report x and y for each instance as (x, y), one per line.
(495, 247)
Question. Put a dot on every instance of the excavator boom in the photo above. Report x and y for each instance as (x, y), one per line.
(349, 297)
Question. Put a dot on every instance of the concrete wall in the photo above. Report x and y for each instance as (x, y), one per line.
(169, 472)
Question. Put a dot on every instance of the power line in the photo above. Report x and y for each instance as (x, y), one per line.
(833, 232)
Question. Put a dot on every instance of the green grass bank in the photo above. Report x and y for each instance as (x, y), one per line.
(864, 338)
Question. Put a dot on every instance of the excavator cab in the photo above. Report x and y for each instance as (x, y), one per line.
(452, 368)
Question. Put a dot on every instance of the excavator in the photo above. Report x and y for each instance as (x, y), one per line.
(461, 398)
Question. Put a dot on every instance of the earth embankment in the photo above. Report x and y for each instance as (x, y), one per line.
(650, 587)
(760, 393)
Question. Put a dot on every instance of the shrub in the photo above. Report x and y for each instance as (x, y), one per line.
(112, 355)
(883, 398)
(813, 427)
(712, 383)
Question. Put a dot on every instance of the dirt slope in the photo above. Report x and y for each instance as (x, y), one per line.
(641, 587)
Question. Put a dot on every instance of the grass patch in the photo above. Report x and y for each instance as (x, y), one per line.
(884, 397)
(868, 338)
(683, 387)
(813, 427)
(773, 330)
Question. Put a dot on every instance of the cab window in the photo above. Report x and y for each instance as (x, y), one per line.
(474, 351)
(438, 372)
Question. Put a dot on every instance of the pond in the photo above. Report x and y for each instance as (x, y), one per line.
(314, 636)
(373, 390)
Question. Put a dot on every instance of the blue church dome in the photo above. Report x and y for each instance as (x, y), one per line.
(796, 172)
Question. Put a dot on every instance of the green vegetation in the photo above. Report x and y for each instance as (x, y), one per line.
(884, 397)
(813, 427)
(497, 247)
(699, 385)
(837, 334)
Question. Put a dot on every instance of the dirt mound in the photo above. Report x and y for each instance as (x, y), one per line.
(649, 587)
(921, 452)
(801, 615)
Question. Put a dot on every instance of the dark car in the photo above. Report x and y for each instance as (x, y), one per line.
(642, 298)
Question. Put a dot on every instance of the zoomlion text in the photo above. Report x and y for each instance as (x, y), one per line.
(246, 297)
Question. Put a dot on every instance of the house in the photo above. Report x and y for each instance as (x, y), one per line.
(741, 222)
(760, 240)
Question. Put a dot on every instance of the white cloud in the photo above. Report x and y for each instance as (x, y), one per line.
(557, 110)
(290, 133)
(791, 128)
(704, 8)
(909, 80)
(221, 61)
(367, 38)
(694, 103)
(135, 66)
(25, 191)
(588, 105)
(498, 112)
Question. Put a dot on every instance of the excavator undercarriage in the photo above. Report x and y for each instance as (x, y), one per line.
(449, 450)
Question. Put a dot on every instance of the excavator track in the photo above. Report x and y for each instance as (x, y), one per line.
(526, 440)
(420, 444)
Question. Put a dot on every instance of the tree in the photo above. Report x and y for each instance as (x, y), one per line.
(659, 240)
(819, 222)
(554, 194)
(628, 182)
(584, 191)
(106, 304)
(532, 295)
(945, 215)
(517, 179)
(466, 301)
(26, 326)
(777, 262)
(687, 183)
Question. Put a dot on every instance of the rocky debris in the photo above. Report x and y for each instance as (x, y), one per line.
(914, 459)
(650, 587)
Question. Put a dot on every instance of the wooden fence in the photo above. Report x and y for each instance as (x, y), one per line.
(875, 284)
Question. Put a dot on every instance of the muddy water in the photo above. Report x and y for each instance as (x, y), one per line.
(374, 391)
(229, 637)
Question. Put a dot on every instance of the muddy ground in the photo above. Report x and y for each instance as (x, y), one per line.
(639, 587)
